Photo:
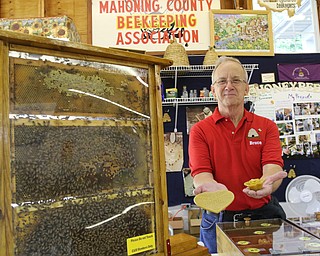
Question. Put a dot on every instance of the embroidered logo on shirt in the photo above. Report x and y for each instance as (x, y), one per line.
(255, 142)
(253, 133)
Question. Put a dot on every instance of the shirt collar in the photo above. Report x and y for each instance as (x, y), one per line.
(216, 116)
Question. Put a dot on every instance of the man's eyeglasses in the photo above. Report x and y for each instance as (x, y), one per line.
(223, 82)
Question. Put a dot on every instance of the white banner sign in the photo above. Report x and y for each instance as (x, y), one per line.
(150, 25)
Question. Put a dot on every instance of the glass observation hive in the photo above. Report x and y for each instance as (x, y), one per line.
(82, 158)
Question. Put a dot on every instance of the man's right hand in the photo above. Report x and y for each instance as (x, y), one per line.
(209, 187)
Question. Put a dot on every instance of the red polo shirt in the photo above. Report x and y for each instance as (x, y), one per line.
(235, 155)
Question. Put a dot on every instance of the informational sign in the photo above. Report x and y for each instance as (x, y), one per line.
(268, 78)
(140, 244)
(295, 108)
(150, 25)
(281, 5)
(173, 147)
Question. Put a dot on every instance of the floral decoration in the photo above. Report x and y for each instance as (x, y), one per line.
(53, 27)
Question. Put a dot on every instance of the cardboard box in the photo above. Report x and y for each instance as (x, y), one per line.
(177, 225)
(194, 220)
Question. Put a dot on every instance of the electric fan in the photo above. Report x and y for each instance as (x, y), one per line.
(303, 195)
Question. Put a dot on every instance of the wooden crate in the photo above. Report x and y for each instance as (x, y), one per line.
(186, 245)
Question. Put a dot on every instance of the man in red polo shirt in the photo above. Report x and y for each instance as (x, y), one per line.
(233, 146)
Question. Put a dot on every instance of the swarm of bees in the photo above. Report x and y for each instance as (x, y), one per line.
(65, 169)
(62, 230)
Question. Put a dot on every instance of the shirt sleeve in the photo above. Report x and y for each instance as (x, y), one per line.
(272, 152)
(199, 155)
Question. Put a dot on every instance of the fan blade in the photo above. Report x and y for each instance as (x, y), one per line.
(294, 196)
(313, 207)
(311, 185)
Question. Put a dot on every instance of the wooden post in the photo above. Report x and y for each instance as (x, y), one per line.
(318, 9)
(6, 223)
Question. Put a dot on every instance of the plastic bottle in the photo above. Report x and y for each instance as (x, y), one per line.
(195, 93)
(205, 92)
(185, 92)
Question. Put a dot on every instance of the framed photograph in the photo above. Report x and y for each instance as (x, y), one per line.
(241, 32)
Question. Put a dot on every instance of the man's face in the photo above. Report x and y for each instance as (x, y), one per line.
(229, 85)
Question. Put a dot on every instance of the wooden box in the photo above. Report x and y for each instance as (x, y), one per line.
(265, 237)
(181, 243)
(61, 27)
(186, 245)
(82, 157)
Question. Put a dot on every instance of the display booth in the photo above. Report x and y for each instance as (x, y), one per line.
(281, 95)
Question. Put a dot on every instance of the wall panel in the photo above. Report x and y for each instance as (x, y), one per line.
(21, 8)
(236, 4)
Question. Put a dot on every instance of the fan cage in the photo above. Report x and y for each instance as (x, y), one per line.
(300, 208)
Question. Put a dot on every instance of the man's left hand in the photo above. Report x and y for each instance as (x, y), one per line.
(267, 188)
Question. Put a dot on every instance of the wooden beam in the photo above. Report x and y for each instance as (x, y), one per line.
(236, 4)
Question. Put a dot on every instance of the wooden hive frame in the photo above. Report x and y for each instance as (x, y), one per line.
(11, 41)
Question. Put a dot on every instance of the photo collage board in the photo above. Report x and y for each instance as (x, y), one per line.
(296, 111)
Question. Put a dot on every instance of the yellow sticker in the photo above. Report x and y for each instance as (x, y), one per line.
(141, 243)
(258, 232)
(253, 250)
(243, 242)
(304, 238)
(265, 224)
(314, 244)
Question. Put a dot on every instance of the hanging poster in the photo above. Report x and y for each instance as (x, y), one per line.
(198, 113)
(150, 25)
(187, 182)
(173, 146)
(295, 108)
(299, 72)
(241, 32)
